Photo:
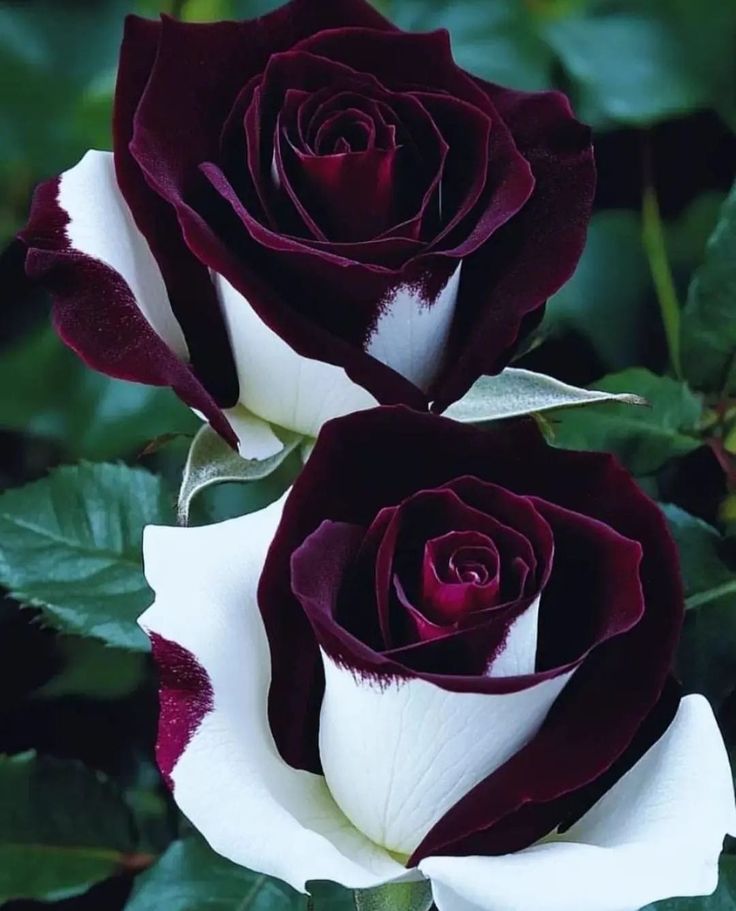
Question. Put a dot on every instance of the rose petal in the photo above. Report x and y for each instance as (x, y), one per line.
(656, 834)
(100, 226)
(536, 252)
(110, 302)
(292, 391)
(256, 439)
(413, 328)
(187, 280)
(398, 754)
(228, 779)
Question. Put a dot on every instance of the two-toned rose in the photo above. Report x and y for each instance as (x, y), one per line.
(447, 653)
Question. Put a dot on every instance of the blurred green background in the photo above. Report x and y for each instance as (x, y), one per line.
(657, 81)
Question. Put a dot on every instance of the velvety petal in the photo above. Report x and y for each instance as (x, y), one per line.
(536, 252)
(213, 659)
(279, 384)
(110, 302)
(357, 190)
(398, 59)
(396, 756)
(656, 834)
(483, 157)
(486, 181)
(187, 280)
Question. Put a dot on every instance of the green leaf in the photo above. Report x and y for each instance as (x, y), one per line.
(707, 661)
(92, 416)
(515, 392)
(50, 54)
(498, 41)
(688, 235)
(70, 544)
(191, 877)
(723, 899)
(704, 573)
(709, 316)
(606, 299)
(62, 828)
(643, 438)
(212, 461)
(645, 61)
(91, 670)
(411, 896)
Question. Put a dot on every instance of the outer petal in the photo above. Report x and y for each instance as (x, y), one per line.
(100, 225)
(398, 754)
(111, 304)
(507, 281)
(656, 834)
(278, 384)
(188, 283)
(229, 779)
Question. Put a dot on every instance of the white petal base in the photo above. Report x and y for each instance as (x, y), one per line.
(230, 780)
(397, 756)
(278, 384)
(656, 834)
(411, 335)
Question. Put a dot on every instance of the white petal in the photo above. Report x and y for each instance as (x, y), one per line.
(100, 225)
(656, 834)
(411, 334)
(230, 780)
(397, 756)
(518, 656)
(278, 384)
(256, 439)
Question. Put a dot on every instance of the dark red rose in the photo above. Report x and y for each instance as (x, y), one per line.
(322, 186)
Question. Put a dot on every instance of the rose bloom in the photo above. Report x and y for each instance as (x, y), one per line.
(307, 214)
(446, 653)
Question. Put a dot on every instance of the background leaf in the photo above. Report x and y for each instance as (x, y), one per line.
(191, 877)
(700, 545)
(709, 317)
(62, 828)
(71, 545)
(90, 415)
(643, 438)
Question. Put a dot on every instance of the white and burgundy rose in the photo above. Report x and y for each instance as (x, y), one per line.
(309, 213)
(446, 654)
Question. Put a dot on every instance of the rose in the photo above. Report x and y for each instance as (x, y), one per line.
(465, 640)
(309, 213)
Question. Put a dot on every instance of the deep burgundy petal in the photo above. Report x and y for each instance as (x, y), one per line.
(190, 289)
(96, 314)
(185, 698)
(504, 282)
(400, 60)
